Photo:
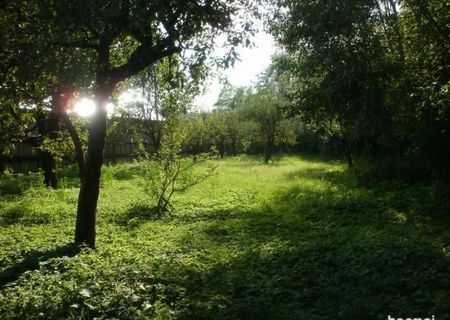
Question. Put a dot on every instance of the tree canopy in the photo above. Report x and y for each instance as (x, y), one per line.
(374, 74)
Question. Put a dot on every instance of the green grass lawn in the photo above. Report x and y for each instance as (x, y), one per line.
(297, 239)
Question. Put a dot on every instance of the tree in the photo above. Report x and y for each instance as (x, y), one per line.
(265, 109)
(229, 102)
(372, 73)
(196, 139)
(30, 73)
(216, 125)
(237, 139)
(117, 39)
(230, 98)
(162, 87)
(340, 67)
(424, 105)
(168, 172)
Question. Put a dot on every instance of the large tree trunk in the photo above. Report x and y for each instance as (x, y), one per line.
(2, 165)
(106, 80)
(48, 127)
(90, 177)
(267, 153)
(346, 143)
(233, 146)
(221, 147)
(48, 165)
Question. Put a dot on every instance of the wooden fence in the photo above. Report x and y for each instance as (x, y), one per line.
(26, 159)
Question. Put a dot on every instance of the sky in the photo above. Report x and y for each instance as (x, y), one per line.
(252, 61)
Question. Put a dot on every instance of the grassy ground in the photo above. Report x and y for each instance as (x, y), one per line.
(298, 239)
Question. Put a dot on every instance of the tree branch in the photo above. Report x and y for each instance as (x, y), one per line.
(141, 58)
(76, 142)
(77, 44)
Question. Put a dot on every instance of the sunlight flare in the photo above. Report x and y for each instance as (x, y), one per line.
(85, 107)
(110, 109)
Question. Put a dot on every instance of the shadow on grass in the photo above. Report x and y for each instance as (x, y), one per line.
(128, 172)
(138, 214)
(69, 176)
(18, 184)
(12, 216)
(324, 248)
(203, 215)
(359, 275)
(32, 261)
(22, 214)
(341, 252)
(124, 171)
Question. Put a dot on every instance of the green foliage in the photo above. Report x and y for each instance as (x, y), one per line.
(23, 203)
(11, 184)
(244, 121)
(58, 146)
(95, 46)
(373, 75)
(168, 172)
(195, 130)
(230, 98)
(266, 110)
(425, 109)
(222, 129)
(165, 88)
(301, 238)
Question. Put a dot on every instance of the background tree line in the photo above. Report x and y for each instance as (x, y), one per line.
(372, 75)
(244, 120)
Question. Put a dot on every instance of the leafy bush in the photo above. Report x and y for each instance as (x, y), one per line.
(168, 172)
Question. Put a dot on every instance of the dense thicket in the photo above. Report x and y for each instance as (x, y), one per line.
(373, 75)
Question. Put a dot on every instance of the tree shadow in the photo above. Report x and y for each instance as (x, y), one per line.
(419, 203)
(68, 176)
(18, 184)
(138, 214)
(12, 216)
(22, 214)
(33, 260)
(333, 176)
(212, 215)
(330, 250)
(344, 252)
(359, 276)
(128, 172)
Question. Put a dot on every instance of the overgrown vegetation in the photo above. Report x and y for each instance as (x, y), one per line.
(168, 172)
(373, 75)
(296, 238)
(301, 238)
